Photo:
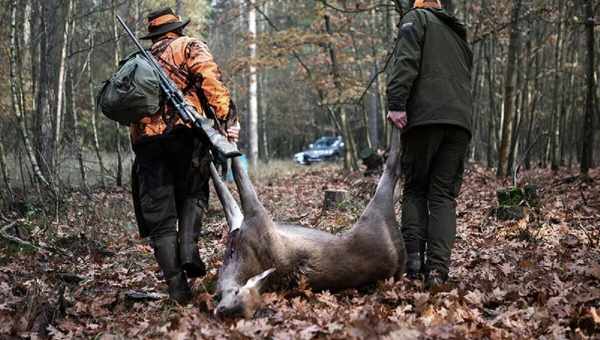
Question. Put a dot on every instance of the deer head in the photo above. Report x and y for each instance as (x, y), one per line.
(242, 301)
(237, 299)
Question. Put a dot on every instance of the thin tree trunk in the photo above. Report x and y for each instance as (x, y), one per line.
(77, 140)
(60, 93)
(555, 141)
(92, 98)
(516, 120)
(351, 162)
(43, 121)
(587, 159)
(492, 104)
(179, 7)
(264, 119)
(532, 100)
(116, 56)
(5, 174)
(475, 88)
(15, 100)
(253, 92)
(508, 90)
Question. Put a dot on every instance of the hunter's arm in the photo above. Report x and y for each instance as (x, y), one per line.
(201, 63)
(406, 61)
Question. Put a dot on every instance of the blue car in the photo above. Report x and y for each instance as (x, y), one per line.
(323, 149)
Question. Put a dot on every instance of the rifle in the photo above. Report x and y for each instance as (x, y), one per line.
(186, 112)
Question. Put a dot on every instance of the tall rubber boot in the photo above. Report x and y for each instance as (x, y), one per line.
(166, 254)
(189, 231)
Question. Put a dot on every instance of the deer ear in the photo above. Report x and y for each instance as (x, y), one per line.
(257, 281)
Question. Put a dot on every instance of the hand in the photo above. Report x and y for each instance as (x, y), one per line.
(398, 118)
(233, 133)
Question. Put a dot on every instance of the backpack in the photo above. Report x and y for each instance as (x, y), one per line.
(132, 93)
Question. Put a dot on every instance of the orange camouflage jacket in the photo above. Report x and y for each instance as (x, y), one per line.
(189, 63)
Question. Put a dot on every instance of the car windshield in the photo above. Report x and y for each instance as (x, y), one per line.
(324, 142)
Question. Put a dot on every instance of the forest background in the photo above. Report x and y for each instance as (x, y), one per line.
(70, 252)
(298, 70)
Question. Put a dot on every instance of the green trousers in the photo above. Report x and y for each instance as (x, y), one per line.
(433, 159)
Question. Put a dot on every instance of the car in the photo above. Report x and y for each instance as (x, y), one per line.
(323, 149)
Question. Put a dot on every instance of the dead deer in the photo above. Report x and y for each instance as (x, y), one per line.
(261, 253)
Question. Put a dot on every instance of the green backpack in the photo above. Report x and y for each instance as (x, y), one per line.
(132, 93)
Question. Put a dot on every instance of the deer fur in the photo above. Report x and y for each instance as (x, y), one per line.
(261, 253)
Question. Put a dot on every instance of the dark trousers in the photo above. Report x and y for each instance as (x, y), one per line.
(433, 163)
(169, 181)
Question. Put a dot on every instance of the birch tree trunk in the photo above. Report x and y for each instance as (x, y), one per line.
(253, 92)
(508, 90)
(16, 107)
(60, 93)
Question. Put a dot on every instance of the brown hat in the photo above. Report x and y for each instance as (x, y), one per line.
(162, 21)
(428, 4)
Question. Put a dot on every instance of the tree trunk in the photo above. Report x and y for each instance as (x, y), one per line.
(555, 144)
(43, 122)
(508, 90)
(73, 112)
(253, 92)
(5, 174)
(92, 99)
(587, 159)
(264, 118)
(119, 178)
(17, 109)
(492, 104)
(350, 158)
(179, 7)
(60, 93)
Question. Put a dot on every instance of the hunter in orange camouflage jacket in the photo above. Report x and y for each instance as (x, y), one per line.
(189, 63)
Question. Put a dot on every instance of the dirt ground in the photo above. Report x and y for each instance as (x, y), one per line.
(535, 277)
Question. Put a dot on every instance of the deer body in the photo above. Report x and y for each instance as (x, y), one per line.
(373, 249)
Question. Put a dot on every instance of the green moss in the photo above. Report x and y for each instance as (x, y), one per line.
(510, 197)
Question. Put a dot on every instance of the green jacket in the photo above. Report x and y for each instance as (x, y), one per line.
(430, 74)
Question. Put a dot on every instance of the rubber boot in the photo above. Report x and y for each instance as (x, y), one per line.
(413, 265)
(166, 254)
(189, 230)
(435, 280)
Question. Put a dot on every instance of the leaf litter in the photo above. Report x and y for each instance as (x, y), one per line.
(538, 277)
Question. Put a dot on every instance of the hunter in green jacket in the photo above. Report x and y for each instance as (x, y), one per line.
(429, 97)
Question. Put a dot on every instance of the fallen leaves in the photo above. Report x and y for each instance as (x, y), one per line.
(533, 278)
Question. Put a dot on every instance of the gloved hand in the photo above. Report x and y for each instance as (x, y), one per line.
(398, 118)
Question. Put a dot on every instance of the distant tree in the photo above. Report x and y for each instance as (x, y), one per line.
(587, 158)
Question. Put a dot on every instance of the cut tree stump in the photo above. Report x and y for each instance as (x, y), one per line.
(513, 202)
(373, 161)
(333, 198)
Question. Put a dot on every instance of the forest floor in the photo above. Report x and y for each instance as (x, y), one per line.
(534, 277)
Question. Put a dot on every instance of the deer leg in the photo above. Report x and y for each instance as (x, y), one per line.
(251, 205)
(233, 214)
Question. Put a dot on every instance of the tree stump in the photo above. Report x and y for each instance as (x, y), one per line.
(333, 198)
(513, 201)
(372, 160)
